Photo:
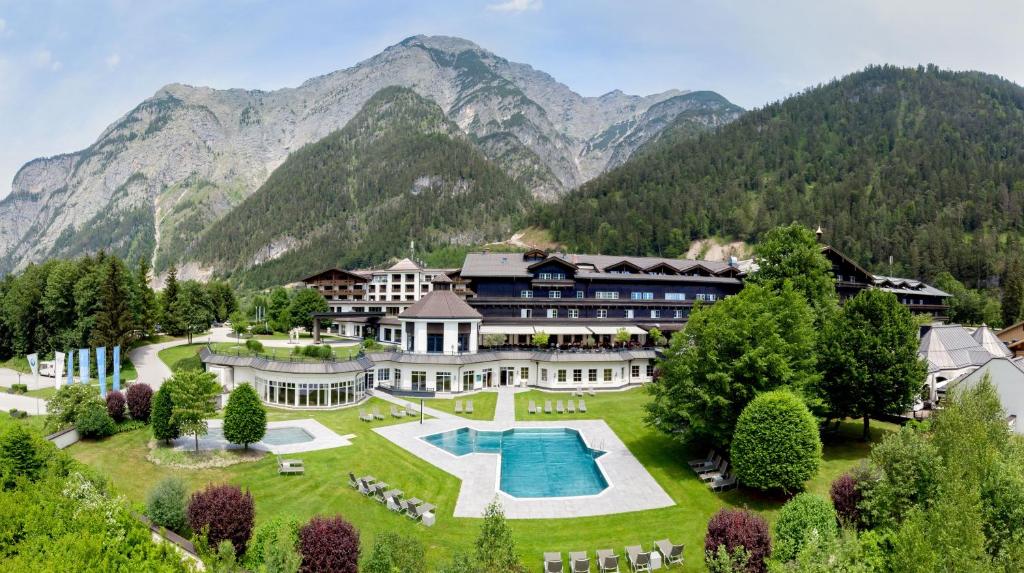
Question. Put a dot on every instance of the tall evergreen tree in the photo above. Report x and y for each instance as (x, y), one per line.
(144, 302)
(1013, 284)
(114, 321)
(245, 418)
(168, 297)
(161, 418)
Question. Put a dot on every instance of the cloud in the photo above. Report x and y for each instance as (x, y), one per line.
(44, 59)
(517, 6)
(113, 60)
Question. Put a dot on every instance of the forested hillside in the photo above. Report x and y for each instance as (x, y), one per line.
(398, 171)
(921, 164)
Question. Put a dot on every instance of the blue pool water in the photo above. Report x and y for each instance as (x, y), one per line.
(273, 437)
(535, 462)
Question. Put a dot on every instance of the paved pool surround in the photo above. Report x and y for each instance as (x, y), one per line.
(321, 438)
(630, 486)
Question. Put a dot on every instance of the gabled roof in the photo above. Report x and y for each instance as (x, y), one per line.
(661, 266)
(622, 263)
(951, 347)
(990, 342)
(826, 249)
(405, 265)
(552, 259)
(354, 275)
(442, 305)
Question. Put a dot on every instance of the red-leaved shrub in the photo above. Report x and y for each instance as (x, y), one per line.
(329, 544)
(738, 527)
(845, 498)
(115, 406)
(139, 398)
(226, 511)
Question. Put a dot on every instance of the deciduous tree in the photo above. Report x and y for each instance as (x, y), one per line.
(245, 419)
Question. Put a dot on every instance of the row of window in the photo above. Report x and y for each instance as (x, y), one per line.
(312, 395)
(602, 313)
(472, 379)
(614, 295)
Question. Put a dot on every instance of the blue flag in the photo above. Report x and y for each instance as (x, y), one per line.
(83, 365)
(117, 368)
(71, 368)
(101, 369)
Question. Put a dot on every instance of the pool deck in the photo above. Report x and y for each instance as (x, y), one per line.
(631, 487)
(323, 438)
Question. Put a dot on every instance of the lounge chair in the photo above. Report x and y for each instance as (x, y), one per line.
(570, 406)
(365, 417)
(469, 406)
(714, 464)
(724, 483)
(607, 561)
(702, 462)
(590, 391)
(712, 476)
(376, 414)
(396, 413)
(639, 560)
(352, 481)
(547, 406)
(394, 503)
(458, 406)
(552, 562)
(559, 407)
(579, 562)
(579, 391)
(369, 487)
(290, 466)
(671, 553)
(583, 406)
(532, 407)
(416, 512)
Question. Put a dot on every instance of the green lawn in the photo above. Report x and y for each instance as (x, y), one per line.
(323, 488)
(483, 405)
(181, 357)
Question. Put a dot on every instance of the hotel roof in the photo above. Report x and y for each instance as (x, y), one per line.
(587, 266)
(441, 304)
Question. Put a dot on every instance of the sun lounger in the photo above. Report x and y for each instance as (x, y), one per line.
(639, 560)
(711, 476)
(532, 407)
(416, 512)
(579, 562)
(547, 406)
(367, 487)
(396, 413)
(552, 562)
(469, 406)
(559, 407)
(395, 502)
(458, 406)
(352, 481)
(364, 416)
(607, 561)
(702, 462)
(670, 553)
(570, 406)
(579, 391)
(290, 466)
(583, 406)
(724, 483)
(590, 391)
(376, 414)
(713, 465)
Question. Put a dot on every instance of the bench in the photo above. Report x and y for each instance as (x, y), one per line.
(290, 467)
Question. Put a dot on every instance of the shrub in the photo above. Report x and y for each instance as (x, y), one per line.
(18, 455)
(273, 532)
(734, 528)
(128, 426)
(776, 443)
(94, 422)
(394, 552)
(222, 513)
(115, 406)
(67, 403)
(245, 419)
(802, 515)
(846, 499)
(139, 397)
(162, 416)
(329, 545)
(494, 339)
(17, 414)
(495, 546)
(254, 346)
(724, 561)
(19, 388)
(165, 504)
(541, 338)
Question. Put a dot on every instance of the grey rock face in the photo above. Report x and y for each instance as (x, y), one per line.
(159, 176)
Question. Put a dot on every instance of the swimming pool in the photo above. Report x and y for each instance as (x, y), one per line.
(535, 462)
(274, 436)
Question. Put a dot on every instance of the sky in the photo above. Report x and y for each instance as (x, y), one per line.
(69, 68)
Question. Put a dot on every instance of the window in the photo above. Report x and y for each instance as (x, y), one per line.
(577, 375)
(543, 374)
(398, 378)
(635, 370)
(467, 380)
(675, 296)
(708, 296)
(629, 313)
(561, 375)
(554, 294)
(383, 374)
(574, 313)
(607, 295)
(655, 313)
(602, 313)
(607, 374)
(419, 381)
(552, 313)
(650, 370)
(435, 343)
(701, 296)
(677, 313)
(712, 297)
(526, 294)
(592, 375)
(641, 295)
(579, 294)
(525, 313)
(552, 276)
(524, 373)
(443, 382)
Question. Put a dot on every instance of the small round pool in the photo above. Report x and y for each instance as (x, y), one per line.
(535, 462)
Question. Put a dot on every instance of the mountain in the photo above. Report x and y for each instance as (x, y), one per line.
(921, 164)
(181, 160)
(399, 171)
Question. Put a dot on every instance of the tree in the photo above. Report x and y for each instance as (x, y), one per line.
(394, 553)
(776, 444)
(239, 323)
(114, 323)
(222, 513)
(656, 337)
(165, 503)
(846, 498)
(540, 339)
(869, 360)
(222, 300)
(280, 309)
(738, 528)
(192, 309)
(969, 306)
(329, 545)
(18, 456)
(801, 518)
(306, 302)
(115, 405)
(144, 303)
(1013, 284)
(93, 421)
(273, 546)
(139, 397)
(755, 341)
(495, 546)
(793, 254)
(64, 407)
(494, 339)
(245, 419)
(908, 466)
(193, 393)
(168, 298)
(162, 417)
(622, 336)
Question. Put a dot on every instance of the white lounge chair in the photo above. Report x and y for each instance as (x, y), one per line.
(583, 406)
(559, 407)
(570, 406)
(723, 483)
(365, 417)
(590, 391)
(607, 561)
(376, 414)
(547, 406)
(458, 406)
(396, 413)
(720, 473)
(639, 560)
(702, 462)
(671, 554)
(469, 406)
(552, 562)
(714, 464)
(579, 562)
(532, 407)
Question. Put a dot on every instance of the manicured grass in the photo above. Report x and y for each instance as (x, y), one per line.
(184, 357)
(284, 336)
(483, 405)
(340, 352)
(17, 363)
(323, 489)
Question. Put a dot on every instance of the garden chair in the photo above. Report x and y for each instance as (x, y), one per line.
(396, 413)
(570, 406)
(469, 406)
(376, 414)
(724, 483)
(290, 466)
(701, 463)
(607, 561)
(364, 416)
(712, 476)
(591, 391)
(579, 562)
(532, 407)
(458, 406)
(547, 406)
(552, 562)
(559, 407)
(711, 466)
(583, 406)
(639, 560)
(671, 554)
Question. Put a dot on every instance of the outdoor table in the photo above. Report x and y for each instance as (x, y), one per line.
(655, 560)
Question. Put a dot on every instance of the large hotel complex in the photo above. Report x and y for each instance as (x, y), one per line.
(469, 328)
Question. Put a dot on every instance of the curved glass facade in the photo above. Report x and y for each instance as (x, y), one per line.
(312, 394)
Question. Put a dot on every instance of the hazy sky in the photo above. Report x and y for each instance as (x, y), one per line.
(70, 68)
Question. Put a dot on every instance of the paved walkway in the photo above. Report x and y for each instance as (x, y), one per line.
(34, 406)
(505, 408)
